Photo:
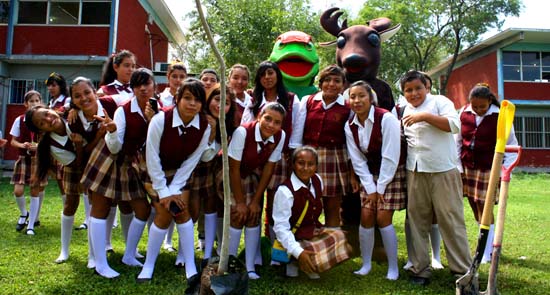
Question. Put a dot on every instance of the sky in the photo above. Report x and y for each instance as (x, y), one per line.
(533, 15)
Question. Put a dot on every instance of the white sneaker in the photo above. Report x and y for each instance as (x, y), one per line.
(408, 265)
(292, 270)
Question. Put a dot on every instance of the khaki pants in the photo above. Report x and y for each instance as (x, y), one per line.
(438, 194)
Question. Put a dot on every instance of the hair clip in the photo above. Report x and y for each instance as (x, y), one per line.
(483, 84)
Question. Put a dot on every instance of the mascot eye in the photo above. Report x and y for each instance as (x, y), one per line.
(308, 46)
(341, 42)
(374, 40)
(282, 45)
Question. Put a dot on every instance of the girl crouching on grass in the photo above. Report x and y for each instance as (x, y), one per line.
(25, 141)
(176, 140)
(316, 249)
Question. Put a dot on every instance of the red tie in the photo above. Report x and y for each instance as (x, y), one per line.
(125, 88)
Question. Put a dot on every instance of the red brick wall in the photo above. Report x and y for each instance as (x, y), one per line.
(3, 37)
(78, 40)
(13, 111)
(527, 90)
(463, 79)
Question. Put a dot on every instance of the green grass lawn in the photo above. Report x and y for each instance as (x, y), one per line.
(27, 262)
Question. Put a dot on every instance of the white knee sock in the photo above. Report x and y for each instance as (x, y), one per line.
(66, 233)
(209, 233)
(169, 235)
(435, 240)
(489, 246)
(87, 208)
(251, 241)
(22, 205)
(91, 256)
(35, 203)
(258, 257)
(390, 245)
(187, 243)
(98, 233)
(234, 240)
(366, 243)
(125, 221)
(134, 235)
(151, 217)
(41, 198)
(109, 228)
(153, 247)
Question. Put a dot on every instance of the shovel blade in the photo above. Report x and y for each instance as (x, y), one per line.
(468, 284)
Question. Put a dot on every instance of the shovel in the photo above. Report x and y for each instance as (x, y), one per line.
(468, 284)
(499, 228)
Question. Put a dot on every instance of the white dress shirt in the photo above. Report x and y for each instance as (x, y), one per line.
(282, 211)
(167, 98)
(154, 166)
(246, 101)
(296, 140)
(62, 156)
(60, 98)
(121, 97)
(248, 116)
(391, 150)
(87, 125)
(15, 130)
(509, 158)
(236, 146)
(115, 140)
(429, 149)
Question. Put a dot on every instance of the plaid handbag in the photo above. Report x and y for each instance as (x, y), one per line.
(278, 252)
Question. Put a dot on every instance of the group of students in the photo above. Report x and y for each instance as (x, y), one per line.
(157, 157)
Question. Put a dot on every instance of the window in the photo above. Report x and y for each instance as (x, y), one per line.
(65, 12)
(533, 132)
(4, 11)
(18, 88)
(526, 66)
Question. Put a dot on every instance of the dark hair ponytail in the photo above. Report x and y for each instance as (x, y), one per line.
(482, 90)
(108, 73)
(259, 89)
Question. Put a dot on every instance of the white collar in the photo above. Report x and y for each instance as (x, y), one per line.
(99, 113)
(339, 100)
(370, 117)
(176, 120)
(258, 135)
(297, 183)
(134, 107)
(493, 109)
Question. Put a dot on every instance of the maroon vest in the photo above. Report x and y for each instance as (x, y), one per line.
(59, 106)
(176, 148)
(25, 135)
(315, 207)
(251, 159)
(136, 131)
(69, 146)
(483, 138)
(374, 153)
(109, 89)
(324, 128)
(109, 105)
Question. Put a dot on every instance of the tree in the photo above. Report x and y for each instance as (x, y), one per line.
(245, 30)
(433, 29)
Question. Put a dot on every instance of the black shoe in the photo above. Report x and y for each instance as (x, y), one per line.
(420, 281)
(37, 223)
(110, 251)
(193, 284)
(21, 226)
(144, 280)
(83, 226)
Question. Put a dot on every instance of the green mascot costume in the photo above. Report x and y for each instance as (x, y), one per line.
(296, 56)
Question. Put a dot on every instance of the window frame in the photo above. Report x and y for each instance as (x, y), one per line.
(543, 132)
(80, 12)
(540, 66)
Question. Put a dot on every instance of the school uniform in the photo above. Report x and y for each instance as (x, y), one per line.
(166, 98)
(114, 168)
(173, 151)
(241, 106)
(374, 150)
(476, 146)
(120, 92)
(320, 125)
(60, 104)
(434, 187)
(27, 163)
(330, 246)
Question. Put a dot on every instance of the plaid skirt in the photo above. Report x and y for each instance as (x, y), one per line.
(334, 171)
(202, 178)
(395, 196)
(56, 169)
(330, 248)
(280, 172)
(475, 184)
(23, 170)
(71, 180)
(248, 184)
(114, 177)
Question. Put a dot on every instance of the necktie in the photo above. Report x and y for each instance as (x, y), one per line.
(123, 88)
